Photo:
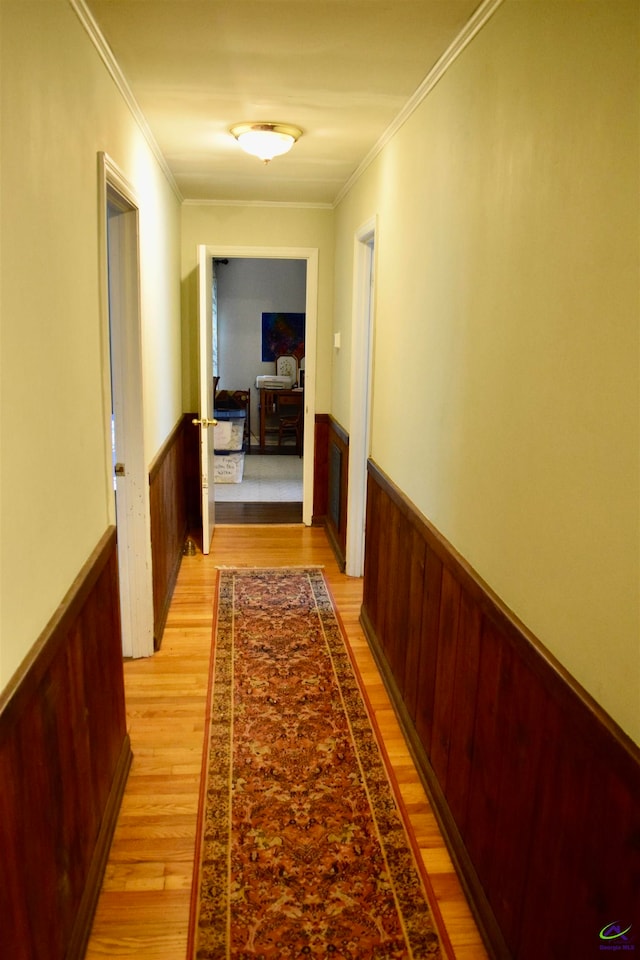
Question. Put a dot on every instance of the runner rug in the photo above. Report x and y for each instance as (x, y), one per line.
(303, 851)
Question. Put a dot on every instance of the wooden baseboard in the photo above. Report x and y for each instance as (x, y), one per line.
(336, 545)
(160, 617)
(86, 910)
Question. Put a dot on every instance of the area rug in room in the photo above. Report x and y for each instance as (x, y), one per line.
(302, 849)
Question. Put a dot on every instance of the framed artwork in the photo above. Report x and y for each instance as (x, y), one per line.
(282, 333)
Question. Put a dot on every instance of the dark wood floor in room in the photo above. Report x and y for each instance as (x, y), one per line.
(273, 512)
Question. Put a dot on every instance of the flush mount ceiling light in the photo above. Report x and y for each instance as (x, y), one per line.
(266, 140)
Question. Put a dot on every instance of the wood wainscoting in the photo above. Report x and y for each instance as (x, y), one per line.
(537, 789)
(331, 471)
(64, 760)
(321, 469)
(337, 496)
(174, 479)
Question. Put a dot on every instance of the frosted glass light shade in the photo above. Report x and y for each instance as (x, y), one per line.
(266, 140)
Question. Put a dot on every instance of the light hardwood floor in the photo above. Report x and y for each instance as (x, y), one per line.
(143, 910)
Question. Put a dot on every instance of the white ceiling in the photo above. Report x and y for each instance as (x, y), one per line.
(342, 70)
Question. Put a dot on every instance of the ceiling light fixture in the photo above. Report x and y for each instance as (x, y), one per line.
(266, 140)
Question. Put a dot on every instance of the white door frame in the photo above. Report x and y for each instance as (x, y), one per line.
(123, 405)
(206, 398)
(310, 254)
(361, 394)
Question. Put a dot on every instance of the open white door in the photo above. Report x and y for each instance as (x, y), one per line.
(206, 421)
(123, 404)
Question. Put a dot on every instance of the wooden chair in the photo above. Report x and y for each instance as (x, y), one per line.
(289, 408)
(287, 366)
(291, 427)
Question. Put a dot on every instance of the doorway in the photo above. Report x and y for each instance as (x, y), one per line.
(257, 299)
(276, 486)
(127, 478)
(361, 394)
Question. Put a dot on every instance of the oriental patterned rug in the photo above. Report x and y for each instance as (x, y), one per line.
(302, 850)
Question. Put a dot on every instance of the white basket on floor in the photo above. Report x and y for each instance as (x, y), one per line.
(228, 467)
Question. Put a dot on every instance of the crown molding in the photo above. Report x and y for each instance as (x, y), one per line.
(477, 21)
(473, 26)
(104, 51)
(291, 204)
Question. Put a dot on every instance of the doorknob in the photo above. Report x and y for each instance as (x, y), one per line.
(204, 422)
(119, 470)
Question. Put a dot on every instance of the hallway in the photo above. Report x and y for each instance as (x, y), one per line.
(143, 910)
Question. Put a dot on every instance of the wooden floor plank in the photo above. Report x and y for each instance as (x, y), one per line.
(143, 910)
(274, 512)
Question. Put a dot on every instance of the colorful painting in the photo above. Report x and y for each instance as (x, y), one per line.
(282, 333)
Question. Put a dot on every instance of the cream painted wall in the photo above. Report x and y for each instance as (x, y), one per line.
(506, 397)
(257, 226)
(59, 109)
